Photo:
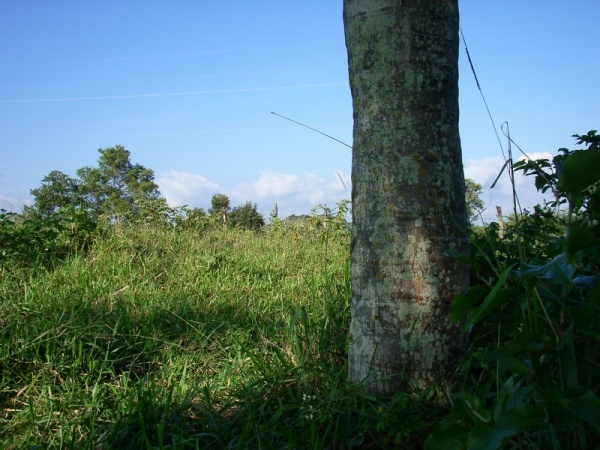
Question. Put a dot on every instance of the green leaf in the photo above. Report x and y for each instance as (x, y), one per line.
(462, 258)
(519, 347)
(558, 271)
(463, 303)
(593, 297)
(559, 160)
(583, 403)
(512, 395)
(448, 438)
(514, 365)
(497, 296)
(356, 441)
(492, 302)
(567, 356)
(487, 437)
(581, 169)
(585, 281)
(471, 408)
(507, 355)
(580, 237)
(540, 183)
(583, 317)
(508, 424)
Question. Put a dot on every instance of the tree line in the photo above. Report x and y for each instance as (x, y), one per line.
(118, 191)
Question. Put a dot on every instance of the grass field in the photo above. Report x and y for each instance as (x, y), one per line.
(185, 334)
(163, 339)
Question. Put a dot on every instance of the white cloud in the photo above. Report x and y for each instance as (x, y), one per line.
(271, 184)
(537, 155)
(298, 193)
(293, 193)
(483, 170)
(183, 188)
(13, 204)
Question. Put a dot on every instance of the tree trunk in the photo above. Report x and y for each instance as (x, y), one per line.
(500, 221)
(408, 200)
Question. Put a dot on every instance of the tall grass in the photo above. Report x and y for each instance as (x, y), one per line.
(160, 338)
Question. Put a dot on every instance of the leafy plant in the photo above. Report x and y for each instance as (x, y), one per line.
(531, 376)
(116, 191)
(473, 199)
(79, 229)
(573, 177)
(219, 204)
(246, 217)
(57, 190)
(536, 234)
(41, 242)
(326, 220)
(30, 242)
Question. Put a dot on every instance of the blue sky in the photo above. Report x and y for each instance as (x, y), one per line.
(189, 87)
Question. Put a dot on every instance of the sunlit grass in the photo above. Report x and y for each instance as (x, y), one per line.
(165, 339)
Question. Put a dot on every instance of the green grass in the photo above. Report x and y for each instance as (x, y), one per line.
(163, 339)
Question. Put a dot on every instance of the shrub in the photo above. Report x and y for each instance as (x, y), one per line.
(247, 217)
(531, 375)
(40, 242)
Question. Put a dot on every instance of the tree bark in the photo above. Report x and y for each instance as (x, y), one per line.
(408, 199)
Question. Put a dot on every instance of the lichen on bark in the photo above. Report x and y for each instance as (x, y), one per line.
(408, 191)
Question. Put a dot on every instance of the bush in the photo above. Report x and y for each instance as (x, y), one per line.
(531, 377)
(247, 217)
(40, 242)
(535, 234)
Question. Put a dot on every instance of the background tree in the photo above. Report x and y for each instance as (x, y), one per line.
(57, 190)
(116, 189)
(246, 216)
(408, 192)
(197, 218)
(218, 202)
(196, 214)
(473, 199)
(219, 207)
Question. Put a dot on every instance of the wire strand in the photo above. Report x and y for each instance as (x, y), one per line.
(481, 92)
